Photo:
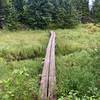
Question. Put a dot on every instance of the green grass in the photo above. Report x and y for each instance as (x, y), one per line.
(71, 40)
(21, 58)
(77, 63)
(22, 45)
(20, 80)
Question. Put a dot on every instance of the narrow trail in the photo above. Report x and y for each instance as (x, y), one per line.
(48, 79)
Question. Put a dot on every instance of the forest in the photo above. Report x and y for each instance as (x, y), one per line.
(46, 14)
(25, 27)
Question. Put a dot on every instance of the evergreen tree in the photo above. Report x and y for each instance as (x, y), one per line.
(2, 4)
(45, 13)
(19, 7)
(64, 14)
(96, 10)
(82, 7)
(49, 13)
(11, 16)
(38, 13)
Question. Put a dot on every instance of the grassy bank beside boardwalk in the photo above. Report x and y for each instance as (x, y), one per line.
(21, 61)
(77, 63)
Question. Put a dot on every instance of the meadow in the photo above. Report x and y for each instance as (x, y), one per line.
(77, 63)
(21, 61)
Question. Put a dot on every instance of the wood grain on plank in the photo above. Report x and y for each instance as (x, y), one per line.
(48, 80)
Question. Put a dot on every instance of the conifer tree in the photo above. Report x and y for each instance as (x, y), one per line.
(82, 7)
(96, 10)
(19, 7)
(1, 13)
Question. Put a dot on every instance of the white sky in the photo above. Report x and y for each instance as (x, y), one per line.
(91, 3)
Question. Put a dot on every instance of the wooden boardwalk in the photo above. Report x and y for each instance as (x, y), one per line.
(48, 79)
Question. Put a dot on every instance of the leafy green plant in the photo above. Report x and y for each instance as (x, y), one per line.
(23, 80)
(77, 62)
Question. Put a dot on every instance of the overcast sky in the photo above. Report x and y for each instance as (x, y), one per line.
(91, 3)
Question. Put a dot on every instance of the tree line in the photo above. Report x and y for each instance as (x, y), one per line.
(42, 14)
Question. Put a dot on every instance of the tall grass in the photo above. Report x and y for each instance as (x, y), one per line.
(71, 40)
(77, 63)
(23, 45)
(21, 55)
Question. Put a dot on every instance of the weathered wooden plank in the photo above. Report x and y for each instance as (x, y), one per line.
(48, 80)
(45, 72)
(52, 71)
